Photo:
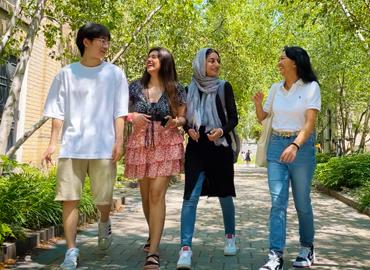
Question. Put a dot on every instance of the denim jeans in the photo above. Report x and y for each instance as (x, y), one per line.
(299, 173)
(189, 208)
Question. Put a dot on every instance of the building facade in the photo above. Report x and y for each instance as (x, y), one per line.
(39, 74)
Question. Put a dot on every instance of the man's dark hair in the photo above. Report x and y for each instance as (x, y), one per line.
(90, 31)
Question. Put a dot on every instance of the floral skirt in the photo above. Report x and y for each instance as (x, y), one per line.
(154, 151)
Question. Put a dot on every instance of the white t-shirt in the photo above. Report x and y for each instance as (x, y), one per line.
(289, 107)
(88, 100)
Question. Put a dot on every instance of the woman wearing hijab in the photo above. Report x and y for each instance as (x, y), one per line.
(209, 169)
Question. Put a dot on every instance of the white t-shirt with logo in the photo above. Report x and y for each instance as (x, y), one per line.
(88, 100)
(289, 107)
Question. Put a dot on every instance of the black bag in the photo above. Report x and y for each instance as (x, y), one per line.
(235, 139)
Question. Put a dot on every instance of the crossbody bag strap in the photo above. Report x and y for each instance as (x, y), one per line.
(275, 89)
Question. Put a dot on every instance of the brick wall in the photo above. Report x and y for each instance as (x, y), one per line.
(41, 71)
(39, 75)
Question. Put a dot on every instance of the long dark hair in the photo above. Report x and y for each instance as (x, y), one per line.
(303, 63)
(168, 75)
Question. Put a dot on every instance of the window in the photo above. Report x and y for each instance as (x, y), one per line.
(6, 73)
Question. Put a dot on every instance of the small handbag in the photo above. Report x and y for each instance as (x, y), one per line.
(262, 144)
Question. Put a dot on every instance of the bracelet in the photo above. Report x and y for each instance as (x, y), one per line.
(296, 145)
(222, 132)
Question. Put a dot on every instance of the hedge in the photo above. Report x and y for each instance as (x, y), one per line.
(27, 198)
(351, 172)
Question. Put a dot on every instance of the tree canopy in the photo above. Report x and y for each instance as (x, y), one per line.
(249, 36)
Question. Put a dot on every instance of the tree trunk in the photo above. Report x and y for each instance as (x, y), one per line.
(25, 136)
(343, 115)
(365, 130)
(353, 23)
(358, 127)
(367, 3)
(11, 25)
(15, 89)
(137, 31)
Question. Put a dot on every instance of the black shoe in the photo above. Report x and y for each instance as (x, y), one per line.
(305, 258)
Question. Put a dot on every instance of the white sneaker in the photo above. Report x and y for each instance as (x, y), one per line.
(230, 247)
(105, 235)
(184, 261)
(70, 259)
(275, 262)
(305, 258)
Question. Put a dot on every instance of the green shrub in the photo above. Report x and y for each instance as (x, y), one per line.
(364, 196)
(5, 233)
(6, 165)
(87, 205)
(27, 198)
(120, 172)
(323, 157)
(348, 171)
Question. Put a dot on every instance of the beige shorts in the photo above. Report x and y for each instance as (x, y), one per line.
(71, 176)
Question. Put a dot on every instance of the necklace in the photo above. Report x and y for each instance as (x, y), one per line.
(156, 94)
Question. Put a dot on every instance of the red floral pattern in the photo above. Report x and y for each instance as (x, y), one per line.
(163, 158)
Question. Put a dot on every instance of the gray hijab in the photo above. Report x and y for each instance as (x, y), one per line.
(202, 110)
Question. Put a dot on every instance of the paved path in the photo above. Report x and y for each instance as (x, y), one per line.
(342, 235)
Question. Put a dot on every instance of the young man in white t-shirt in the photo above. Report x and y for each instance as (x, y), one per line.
(89, 100)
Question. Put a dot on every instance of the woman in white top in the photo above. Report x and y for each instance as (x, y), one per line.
(291, 152)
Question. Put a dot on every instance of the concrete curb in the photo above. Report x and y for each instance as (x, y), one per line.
(348, 201)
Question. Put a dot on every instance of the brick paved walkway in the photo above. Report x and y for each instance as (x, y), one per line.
(342, 235)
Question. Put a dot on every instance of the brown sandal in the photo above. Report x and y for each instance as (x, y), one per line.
(152, 262)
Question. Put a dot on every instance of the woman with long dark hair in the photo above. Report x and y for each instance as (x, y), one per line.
(294, 104)
(209, 162)
(155, 148)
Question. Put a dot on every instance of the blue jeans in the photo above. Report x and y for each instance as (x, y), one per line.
(189, 208)
(299, 173)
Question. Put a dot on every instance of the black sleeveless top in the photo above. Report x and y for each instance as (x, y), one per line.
(139, 102)
(157, 110)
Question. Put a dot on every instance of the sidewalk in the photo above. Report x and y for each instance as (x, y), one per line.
(342, 235)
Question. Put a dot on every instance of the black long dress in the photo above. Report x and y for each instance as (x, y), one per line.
(215, 161)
